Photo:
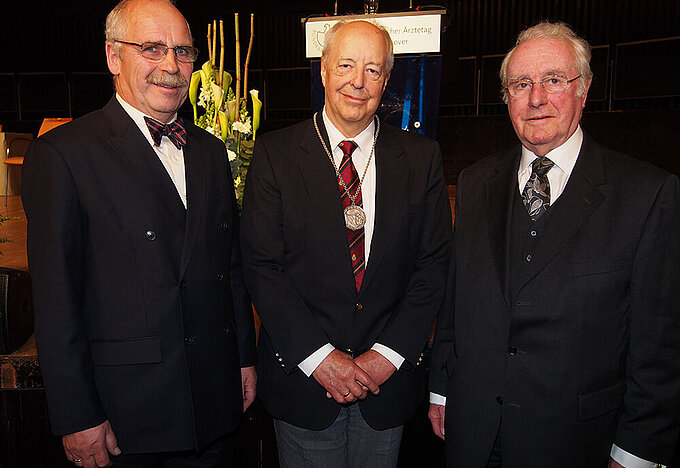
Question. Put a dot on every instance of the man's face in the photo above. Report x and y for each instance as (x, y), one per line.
(157, 89)
(354, 76)
(544, 121)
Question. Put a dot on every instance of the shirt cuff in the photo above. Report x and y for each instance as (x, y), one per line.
(437, 399)
(631, 461)
(309, 365)
(394, 357)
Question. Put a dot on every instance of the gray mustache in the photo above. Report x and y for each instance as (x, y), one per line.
(166, 79)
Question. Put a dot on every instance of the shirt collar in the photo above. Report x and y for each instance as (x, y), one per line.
(138, 117)
(364, 139)
(564, 156)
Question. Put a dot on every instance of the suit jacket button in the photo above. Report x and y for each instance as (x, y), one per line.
(220, 277)
(182, 284)
(359, 306)
(224, 225)
(150, 235)
(512, 350)
(189, 340)
(499, 400)
(225, 331)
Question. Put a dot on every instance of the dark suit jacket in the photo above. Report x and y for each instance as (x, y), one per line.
(587, 353)
(299, 274)
(141, 312)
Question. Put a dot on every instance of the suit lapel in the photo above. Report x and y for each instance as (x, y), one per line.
(196, 183)
(133, 149)
(391, 180)
(574, 208)
(499, 194)
(322, 189)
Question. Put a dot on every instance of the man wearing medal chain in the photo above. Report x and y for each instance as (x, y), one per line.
(345, 235)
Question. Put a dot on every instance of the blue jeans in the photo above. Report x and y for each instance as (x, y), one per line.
(347, 443)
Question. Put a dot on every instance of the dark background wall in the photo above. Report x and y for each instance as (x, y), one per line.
(54, 65)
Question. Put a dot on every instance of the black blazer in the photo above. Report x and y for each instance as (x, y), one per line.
(299, 274)
(586, 353)
(141, 312)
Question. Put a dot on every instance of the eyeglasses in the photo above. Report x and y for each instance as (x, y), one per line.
(156, 51)
(551, 84)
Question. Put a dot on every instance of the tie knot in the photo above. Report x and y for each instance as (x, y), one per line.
(175, 131)
(541, 166)
(347, 147)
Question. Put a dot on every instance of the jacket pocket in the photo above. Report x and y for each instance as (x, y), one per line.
(146, 350)
(594, 404)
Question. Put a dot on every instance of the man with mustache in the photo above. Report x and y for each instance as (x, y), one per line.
(345, 235)
(143, 324)
(558, 343)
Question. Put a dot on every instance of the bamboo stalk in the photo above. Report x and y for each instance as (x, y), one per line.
(210, 54)
(245, 67)
(221, 52)
(237, 86)
(214, 44)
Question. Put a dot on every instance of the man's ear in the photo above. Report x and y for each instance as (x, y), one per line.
(387, 78)
(584, 96)
(112, 59)
(323, 72)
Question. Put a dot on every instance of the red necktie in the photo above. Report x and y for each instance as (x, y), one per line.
(175, 131)
(355, 238)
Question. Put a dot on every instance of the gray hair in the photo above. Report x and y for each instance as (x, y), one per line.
(560, 31)
(116, 22)
(329, 39)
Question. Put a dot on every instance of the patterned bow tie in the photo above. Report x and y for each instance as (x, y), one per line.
(175, 131)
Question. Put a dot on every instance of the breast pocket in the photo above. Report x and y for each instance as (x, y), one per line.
(598, 266)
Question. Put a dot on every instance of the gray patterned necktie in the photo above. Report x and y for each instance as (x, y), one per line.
(536, 193)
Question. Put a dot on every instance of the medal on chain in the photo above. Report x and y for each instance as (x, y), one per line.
(355, 217)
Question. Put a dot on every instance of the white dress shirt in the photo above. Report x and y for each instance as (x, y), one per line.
(564, 157)
(171, 157)
(360, 159)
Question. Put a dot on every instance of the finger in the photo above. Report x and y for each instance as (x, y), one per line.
(437, 428)
(112, 443)
(363, 386)
(249, 399)
(88, 462)
(101, 458)
(337, 396)
(328, 395)
(357, 390)
(367, 382)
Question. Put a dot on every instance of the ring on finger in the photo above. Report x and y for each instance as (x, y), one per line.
(77, 460)
(346, 394)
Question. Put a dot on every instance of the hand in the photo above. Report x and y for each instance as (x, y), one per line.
(248, 385)
(343, 380)
(614, 464)
(91, 446)
(437, 415)
(376, 365)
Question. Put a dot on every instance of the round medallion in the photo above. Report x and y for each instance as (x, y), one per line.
(355, 218)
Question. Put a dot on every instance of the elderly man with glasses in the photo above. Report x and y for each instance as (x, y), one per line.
(143, 324)
(558, 342)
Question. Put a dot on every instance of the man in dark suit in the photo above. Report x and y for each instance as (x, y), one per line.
(345, 232)
(143, 325)
(558, 343)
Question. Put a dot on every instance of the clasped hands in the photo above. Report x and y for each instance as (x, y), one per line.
(347, 380)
